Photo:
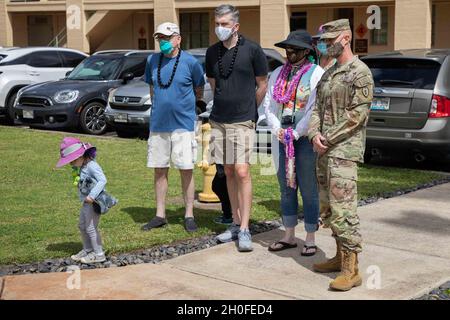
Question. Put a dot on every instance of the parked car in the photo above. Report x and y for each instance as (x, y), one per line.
(80, 99)
(410, 111)
(129, 107)
(20, 67)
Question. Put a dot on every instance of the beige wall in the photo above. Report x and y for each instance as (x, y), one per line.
(265, 24)
(6, 29)
(412, 24)
(442, 25)
(20, 29)
(126, 36)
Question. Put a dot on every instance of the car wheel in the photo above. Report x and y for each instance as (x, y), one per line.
(10, 114)
(92, 119)
(367, 155)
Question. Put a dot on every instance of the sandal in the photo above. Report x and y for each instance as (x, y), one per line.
(284, 246)
(306, 248)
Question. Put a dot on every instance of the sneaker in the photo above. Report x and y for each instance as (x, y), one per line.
(190, 225)
(222, 220)
(245, 241)
(230, 234)
(156, 222)
(77, 257)
(92, 257)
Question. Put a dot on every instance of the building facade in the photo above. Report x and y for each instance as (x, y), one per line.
(92, 25)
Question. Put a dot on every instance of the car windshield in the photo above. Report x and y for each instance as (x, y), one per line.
(407, 73)
(96, 68)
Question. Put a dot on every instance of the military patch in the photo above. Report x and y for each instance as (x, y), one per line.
(365, 91)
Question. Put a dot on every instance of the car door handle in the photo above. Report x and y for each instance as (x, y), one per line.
(34, 74)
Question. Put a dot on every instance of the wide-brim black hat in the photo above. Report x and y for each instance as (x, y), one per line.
(299, 38)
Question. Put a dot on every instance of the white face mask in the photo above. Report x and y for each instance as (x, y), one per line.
(223, 33)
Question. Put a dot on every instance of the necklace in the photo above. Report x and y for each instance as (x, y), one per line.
(284, 89)
(166, 85)
(233, 60)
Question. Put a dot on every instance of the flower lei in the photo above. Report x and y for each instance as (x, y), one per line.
(290, 158)
(280, 93)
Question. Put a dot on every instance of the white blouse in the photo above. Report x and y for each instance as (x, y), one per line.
(271, 107)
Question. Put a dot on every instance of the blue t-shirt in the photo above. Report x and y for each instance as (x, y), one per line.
(174, 107)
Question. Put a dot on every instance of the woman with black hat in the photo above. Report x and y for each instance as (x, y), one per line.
(288, 105)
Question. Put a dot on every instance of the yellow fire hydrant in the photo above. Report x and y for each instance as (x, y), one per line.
(209, 171)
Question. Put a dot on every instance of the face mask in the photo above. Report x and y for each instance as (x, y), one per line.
(335, 50)
(322, 47)
(166, 47)
(224, 33)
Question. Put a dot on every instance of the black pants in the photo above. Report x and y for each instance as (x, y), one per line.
(219, 186)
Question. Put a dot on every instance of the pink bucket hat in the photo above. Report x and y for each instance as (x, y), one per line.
(71, 149)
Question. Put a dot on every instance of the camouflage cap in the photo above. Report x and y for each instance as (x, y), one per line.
(334, 28)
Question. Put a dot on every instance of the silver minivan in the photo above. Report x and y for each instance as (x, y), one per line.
(410, 112)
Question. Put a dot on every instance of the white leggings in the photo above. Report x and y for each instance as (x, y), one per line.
(88, 226)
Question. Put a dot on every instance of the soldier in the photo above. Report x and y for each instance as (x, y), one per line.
(338, 132)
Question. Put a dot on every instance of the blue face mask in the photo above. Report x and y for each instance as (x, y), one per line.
(166, 47)
(322, 47)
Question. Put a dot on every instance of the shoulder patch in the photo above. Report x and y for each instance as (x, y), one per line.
(363, 81)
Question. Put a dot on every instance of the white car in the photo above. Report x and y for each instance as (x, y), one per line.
(20, 67)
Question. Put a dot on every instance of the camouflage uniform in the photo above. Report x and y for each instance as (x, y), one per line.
(344, 95)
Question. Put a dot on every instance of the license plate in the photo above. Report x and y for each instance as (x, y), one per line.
(28, 114)
(121, 117)
(380, 104)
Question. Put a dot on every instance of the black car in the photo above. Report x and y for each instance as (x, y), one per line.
(79, 100)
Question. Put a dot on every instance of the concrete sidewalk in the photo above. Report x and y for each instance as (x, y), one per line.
(406, 252)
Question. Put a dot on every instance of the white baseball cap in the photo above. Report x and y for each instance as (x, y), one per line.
(167, 29)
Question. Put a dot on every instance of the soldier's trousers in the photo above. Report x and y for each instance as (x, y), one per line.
(338, 200)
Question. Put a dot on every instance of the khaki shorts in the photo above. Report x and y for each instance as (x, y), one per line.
(178, 147)
(232, 143)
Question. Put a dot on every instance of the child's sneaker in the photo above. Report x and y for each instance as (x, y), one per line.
(92, 257)
(77, 257)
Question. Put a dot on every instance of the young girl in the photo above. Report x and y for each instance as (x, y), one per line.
(91, 182)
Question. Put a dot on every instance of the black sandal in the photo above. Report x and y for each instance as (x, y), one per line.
(306, 248)
(284, 246)
(156, 222)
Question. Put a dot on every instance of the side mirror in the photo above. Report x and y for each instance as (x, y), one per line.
(127, 77)
(68, 73)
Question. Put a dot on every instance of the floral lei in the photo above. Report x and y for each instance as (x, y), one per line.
(280, 94)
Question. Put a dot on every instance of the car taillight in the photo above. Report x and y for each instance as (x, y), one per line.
(440, 107)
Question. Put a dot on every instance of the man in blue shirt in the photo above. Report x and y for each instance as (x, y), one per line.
(176, 79)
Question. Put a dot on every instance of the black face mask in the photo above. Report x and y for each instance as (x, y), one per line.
(294, 56)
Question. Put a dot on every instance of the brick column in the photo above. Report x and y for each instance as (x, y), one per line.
(164, 11)
(412, 24)
(6, 34)
(76, 26)
(274, 22)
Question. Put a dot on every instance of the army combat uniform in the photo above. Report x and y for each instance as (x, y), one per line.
(344, 96)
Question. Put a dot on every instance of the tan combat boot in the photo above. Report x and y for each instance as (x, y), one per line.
(331, 265)
(349, 276)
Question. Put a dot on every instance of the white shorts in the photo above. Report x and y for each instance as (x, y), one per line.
(178, 147)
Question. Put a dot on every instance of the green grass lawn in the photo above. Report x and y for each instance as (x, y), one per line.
(39, 205)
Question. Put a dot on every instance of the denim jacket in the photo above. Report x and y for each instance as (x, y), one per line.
(92, 181)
